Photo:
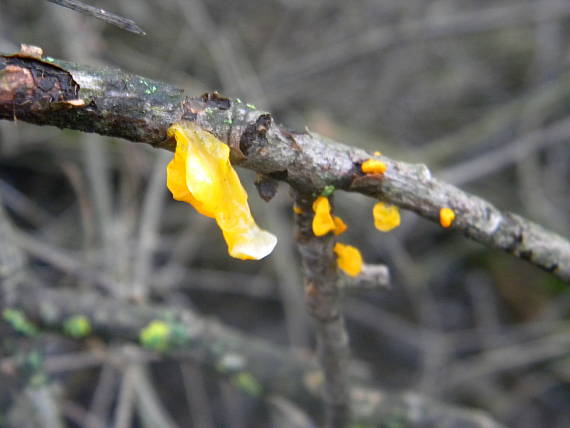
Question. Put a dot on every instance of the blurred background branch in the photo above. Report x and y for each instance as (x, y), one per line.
(103, 15)
(256, 367)
(460, 85)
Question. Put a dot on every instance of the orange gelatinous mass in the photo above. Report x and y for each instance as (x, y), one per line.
(446, 217)
(374, 166)
(201, 174)
(339, 225)
(386, 217)
(323, 221)
(297, 209)
(348, 259)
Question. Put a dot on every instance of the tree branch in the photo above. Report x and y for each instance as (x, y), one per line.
(323, 296)
(115, 103)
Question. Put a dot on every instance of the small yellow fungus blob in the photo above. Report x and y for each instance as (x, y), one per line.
(374, 166)
(446, 217)
(348, 259)
(339, 225)
(386, 217)
(297, 209)
(377, 154)
(201, 174)
(323, 221)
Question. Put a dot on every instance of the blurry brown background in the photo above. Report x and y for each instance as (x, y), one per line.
(477, 90)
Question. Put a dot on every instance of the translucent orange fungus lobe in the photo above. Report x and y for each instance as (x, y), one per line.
(323, 221)
(201, 174)
(339, 225)
(297, 209)
(446, 217)
(374, 166)
(348, 259)
(386, 217)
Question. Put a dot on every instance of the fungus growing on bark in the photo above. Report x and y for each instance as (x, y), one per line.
(446, 217)
(374, 166)
(201, 174)
(348, 259)
(323, 221)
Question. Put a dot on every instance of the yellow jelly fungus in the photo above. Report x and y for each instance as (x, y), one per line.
(377, 154)
(374, 166)
(348, 259)
(201, 174)
(446, 217)
(339, 225)
(386, 217)
(297, 209)
(323, 222)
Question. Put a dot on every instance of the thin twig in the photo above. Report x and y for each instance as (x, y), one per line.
(510, 357)
(281, 76)
(149, 405)
(371, 277)
(103, 392)
(196, 396)
(44, 406)
(148, 230)
(103, 15)
(125, 409)
(488, 163)
(79, 415)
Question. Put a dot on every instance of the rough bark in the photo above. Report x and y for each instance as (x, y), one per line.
(323, 296)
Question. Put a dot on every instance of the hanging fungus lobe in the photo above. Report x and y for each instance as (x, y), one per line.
(201, 174)
(348, 259)
(339, 225)
(386, 217)
(374, 166)
(446, 217)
